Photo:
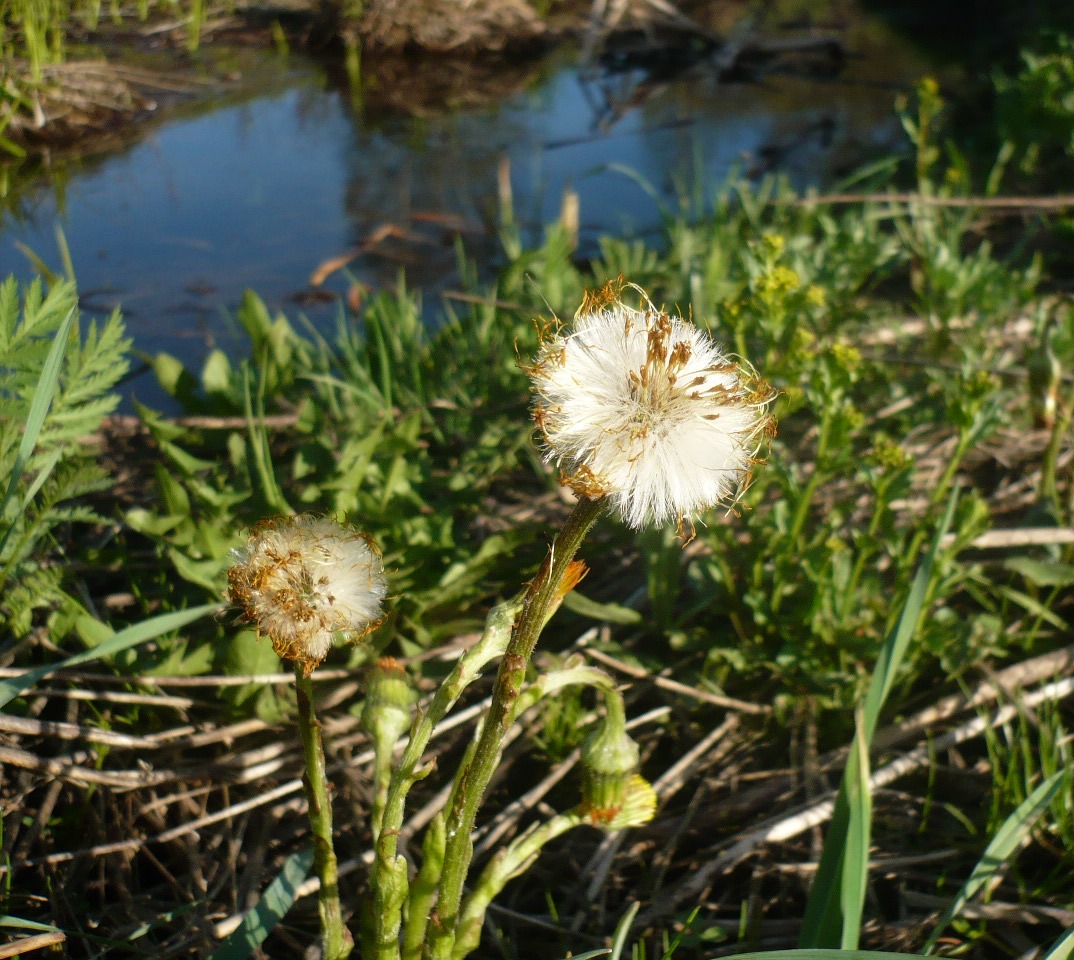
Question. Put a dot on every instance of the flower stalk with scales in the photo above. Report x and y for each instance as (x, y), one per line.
(646, 416)
(302, 582)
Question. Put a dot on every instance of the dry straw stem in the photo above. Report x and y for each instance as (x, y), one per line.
(245, 766)
(256, 763)
(1007, 682)
(992, 910)
(674, 686)
(1012, 204)
(24, 945)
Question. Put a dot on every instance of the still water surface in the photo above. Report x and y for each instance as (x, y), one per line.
(257, 191)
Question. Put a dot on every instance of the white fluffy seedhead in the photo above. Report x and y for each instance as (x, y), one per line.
(302, 580)
(644, 408)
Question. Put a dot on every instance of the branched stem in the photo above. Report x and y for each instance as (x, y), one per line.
(389, 871)
(537, 606)
(336, 937)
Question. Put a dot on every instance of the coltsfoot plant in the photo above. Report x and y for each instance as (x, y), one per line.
(647, 419)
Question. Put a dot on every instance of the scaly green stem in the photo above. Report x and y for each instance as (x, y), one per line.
(508, 863)
(537, 606)
(382, 773)
(388, 868)
(337, 939)
(423, 889)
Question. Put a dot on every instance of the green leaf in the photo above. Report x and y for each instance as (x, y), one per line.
(1063, 948)
(823, 954)
(1008, 839)
(216, 374)
(124, 640)
(606, 612)
(622, 931)
(18, 923)
(35, 419)
(257, 922)
(1042, 573)
(169, 370)
(1035, 607)
(261, 450)
(855, 860)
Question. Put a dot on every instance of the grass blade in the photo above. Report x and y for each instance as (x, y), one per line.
(39, 407)
(1063, 948)
(826, 922)
(17, 923)
(824, 954)
(859, 825)
(1007, 840)
(622, 930)
(130, 637)
(258, 921)
(260, 450)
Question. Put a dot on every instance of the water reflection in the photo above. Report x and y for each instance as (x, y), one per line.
(257, 194)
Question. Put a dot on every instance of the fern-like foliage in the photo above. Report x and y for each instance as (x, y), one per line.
(61, 470)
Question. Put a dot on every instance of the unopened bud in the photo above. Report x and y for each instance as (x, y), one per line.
(388, 701)
(610, 759)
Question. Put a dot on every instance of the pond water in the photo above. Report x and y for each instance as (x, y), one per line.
(259, 187)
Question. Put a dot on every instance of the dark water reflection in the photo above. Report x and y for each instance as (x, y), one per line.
(256, 194)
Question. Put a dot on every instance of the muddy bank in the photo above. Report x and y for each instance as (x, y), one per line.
(127, 70)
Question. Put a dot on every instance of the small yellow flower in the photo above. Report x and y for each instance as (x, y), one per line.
(643, 408)
(302, 580)
(639, 806)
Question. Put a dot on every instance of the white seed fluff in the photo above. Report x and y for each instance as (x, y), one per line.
(301, 580)
(645, 409)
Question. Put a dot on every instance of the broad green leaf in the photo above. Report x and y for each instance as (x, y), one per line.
(216, 374)
(124, 640)
(170, 373)
(1007, 840)
(257, 922)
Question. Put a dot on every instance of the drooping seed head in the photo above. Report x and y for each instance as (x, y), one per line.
(303, 580)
